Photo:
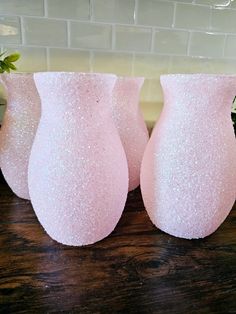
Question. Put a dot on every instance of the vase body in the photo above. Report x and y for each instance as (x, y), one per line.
(78, 174)
(130, 124)
(188, 175)
(18, 130)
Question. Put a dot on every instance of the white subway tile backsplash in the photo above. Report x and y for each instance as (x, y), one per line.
(183, 64)
(202, 65)
(44, 32)
(152, 12)
(22, 7)
(69, 60)
(207, 45)
(151, 91)
(230, 46)
(32, 59)
(114, 11)
(150, 66)
(90, 35)
(127, 37)
(171, 42)
(133, 38)
(109, 62)
(10, 31)
(148, 26)
(223, 66)
(224, 20)
(69, 9)
(189, 16)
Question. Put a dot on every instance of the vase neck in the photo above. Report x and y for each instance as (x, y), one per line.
(20, 89)
(200, 92)
(127, 90)
(79, 94)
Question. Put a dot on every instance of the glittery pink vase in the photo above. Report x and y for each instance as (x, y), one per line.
(130, 124)
(18, 130)
(188, 173)
(78, 174)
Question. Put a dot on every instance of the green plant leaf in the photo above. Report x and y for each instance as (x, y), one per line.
(4, 66)
(13, 57)
(11, 66)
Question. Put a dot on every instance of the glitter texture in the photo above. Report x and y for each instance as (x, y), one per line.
(130, 124)
(188, 173)
(78, 173)
(18, 130)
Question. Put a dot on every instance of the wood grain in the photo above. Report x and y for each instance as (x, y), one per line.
(137, 269)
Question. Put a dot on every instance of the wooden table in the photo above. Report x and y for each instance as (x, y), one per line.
(137, 269)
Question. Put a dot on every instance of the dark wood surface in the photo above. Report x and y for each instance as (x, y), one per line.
(137, 269)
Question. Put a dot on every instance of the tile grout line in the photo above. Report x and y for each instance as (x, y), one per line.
(22, 31)
(189, 44)
(153, 39)
(68, 29)
(210, 18)
(113, 37)
(136, 12)
(91, 10)
(45, 3)
(174, 15)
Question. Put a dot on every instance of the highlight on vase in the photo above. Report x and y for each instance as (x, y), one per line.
(130, 124)
(18, 130)
(188, 173)
(78, 174)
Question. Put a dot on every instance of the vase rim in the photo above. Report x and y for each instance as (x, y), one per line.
(192, 75)
(82, 74)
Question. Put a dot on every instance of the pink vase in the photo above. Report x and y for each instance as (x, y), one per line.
(18, 130)
(188, 175)
(130, 124)
(78, 174)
